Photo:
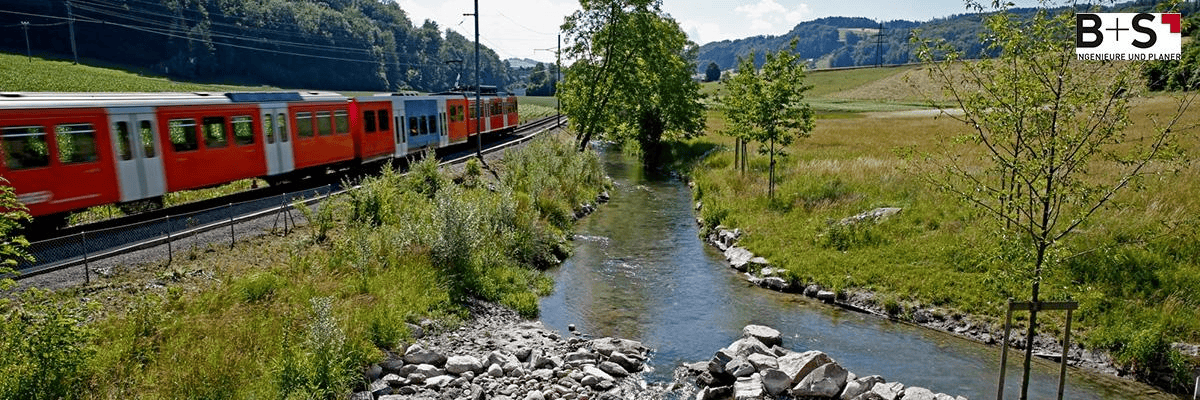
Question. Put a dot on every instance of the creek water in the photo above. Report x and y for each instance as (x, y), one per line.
(640, 271)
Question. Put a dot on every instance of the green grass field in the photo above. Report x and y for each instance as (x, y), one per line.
(938, 252)
(42, 75)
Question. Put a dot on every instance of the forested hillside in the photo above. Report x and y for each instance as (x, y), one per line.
(327, 44)
(847, 42)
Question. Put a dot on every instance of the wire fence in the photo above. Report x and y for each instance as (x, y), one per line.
(85, 248)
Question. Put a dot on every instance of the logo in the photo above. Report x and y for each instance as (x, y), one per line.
(1127, 36)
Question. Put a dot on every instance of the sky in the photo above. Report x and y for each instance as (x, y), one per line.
(528, 28)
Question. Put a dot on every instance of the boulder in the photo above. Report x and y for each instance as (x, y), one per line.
(765, 334)
(379, 388)
(757, 263)
(499, 357)
(918, 393)
(438, 382)
(776, 382)
(826, 296)
(613, 369)
(592, 370)
(746, 346)
(812, 290)
(457, 365)
(738, 257)
(749, 388)
(856, 387)
(798, 365)
(429, 370)
(362, 396)
(495, 371)
(775, 283)
(626, 362)
(826, 381)
(868, 396)
(762, 362)
(580, 357)
(740, 367)
(420, 355)
(715, 393)
(716, 365)
(888, 391)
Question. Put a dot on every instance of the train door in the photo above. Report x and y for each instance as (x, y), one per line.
(445, 131)
(138, 153)
(399, 129)
(277, 139)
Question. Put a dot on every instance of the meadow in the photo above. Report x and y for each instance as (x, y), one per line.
(1134, 268)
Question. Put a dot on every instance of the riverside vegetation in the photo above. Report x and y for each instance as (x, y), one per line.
(299, 316)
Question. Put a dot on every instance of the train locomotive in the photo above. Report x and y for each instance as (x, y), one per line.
(64, 152)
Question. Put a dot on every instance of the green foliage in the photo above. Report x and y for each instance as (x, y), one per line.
(712, 73)
(13, 248)
(1176, 75)
(425, 178)
(47, 349)
(631, 78)
(319, 366)
(259, 287)
(767, 105)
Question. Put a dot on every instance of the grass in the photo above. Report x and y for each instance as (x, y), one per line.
(51, 75)
(1134, 298)
(299, 316)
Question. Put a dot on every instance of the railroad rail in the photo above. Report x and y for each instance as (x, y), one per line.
(94, 242)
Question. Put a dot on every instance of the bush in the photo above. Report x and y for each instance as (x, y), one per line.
(47, 347)
(320, 367)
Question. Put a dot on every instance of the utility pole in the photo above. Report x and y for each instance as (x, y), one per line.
(557, 81)
(71, 25)
(25, 27)
(879, 46)
(478, 106)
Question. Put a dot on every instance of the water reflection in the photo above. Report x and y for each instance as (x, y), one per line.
(639, 271)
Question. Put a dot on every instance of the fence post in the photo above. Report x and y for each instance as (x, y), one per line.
(170, 251)
(87, 270)
(1004, 350)
(232, 239)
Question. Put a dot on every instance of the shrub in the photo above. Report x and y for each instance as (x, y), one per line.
(47, 347)
(259, 287)
(319, 367)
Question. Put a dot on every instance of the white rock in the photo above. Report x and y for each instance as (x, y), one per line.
(856, 387)
(749, 388)
(888, 391)
(460, 364)
(596, 372)
(765, 334)
(762, 362)
(799, 365)
(826, 381)
(776, 382)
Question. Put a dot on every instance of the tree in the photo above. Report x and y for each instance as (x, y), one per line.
(767, 106)
(1038, 122)
(632, 75)
(713, 73)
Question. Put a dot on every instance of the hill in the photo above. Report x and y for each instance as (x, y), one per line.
(333, 45)
(849, 41)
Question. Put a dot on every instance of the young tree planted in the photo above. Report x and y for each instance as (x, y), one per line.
(712, 73)
(1038, 121)
(632, 75)
(767, 105)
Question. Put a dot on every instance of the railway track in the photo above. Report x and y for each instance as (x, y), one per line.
(86, 244)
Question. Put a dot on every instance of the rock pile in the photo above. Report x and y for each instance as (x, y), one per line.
(498, 356)
(757, 366)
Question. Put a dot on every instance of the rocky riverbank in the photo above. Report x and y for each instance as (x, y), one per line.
(757, 366)
(497, 355)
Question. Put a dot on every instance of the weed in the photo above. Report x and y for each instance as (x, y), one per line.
(47, 349)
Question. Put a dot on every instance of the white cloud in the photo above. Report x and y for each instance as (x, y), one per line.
(513, 28)
(771, 17)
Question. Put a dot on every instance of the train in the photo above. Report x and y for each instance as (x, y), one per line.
(65, 152)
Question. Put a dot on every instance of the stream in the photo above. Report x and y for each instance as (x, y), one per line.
(640, 271)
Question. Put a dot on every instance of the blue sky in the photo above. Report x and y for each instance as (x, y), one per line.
(527, 28)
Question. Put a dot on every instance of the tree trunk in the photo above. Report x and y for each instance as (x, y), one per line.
(771, 176)
(1033, 312)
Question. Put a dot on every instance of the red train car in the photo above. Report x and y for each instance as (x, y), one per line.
(207, 145)
(371, 123)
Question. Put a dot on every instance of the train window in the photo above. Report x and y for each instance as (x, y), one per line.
(183, 134)
(281, 122)
(424, 124)
(214, 132)
(25, 147)
(76, 143)
(383, 121)
(268, 130)
(123, 149)
(472, 111)
(369, 121)
(243, 129)
(341, 122)
(147, 132)
(324, 123)
(454, 113)
(412, 126)
(304, 126)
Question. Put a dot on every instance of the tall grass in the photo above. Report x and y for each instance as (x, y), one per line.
(297, 317)
(1134, 268)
